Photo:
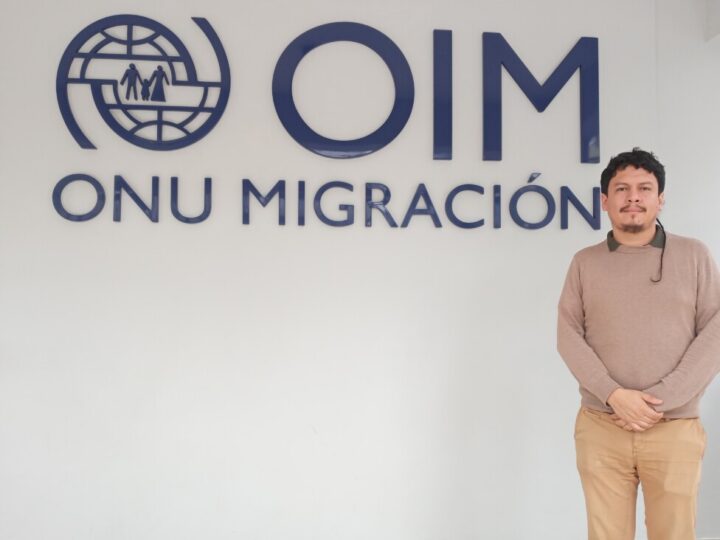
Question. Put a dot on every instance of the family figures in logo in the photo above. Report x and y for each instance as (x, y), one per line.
(152, 89)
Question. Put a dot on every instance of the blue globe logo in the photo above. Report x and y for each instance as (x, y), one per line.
(144, 82)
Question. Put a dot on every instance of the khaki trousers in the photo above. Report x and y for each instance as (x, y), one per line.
(665, 459)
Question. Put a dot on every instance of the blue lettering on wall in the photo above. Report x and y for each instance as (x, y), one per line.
(118, 46)
(150, 211)
(207, 202)
(349, 209)
(567, 196)
(376, 197)
(442, 94)
(497, 53)
(450, 212)
(329, 33)
(549, 201)
(381, 205)
(249, 188)
(301, 202)
(69, 179)
(497, 206)
(421, 193)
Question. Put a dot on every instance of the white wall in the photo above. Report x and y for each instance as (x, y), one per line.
(688, 116)
(220, 381)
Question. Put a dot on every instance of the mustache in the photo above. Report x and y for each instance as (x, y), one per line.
(634, 206)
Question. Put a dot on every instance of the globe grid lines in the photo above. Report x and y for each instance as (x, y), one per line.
(99, 33)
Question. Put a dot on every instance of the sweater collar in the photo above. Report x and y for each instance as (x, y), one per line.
(658, 240)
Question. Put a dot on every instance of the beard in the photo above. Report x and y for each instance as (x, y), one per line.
(633, 229)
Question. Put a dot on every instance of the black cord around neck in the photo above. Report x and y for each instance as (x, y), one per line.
(662, 253)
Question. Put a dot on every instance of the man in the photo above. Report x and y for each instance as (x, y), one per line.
(130, 76)
(639, 328)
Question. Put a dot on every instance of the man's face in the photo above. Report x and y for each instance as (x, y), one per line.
(632, 201)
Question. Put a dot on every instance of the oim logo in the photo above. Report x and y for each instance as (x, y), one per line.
(144, 82)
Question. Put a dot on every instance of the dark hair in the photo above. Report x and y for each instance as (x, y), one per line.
(636, 158)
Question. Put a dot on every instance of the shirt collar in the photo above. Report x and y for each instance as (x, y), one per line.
(657, 241)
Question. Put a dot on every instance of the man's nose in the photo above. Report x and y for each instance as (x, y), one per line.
(633, 195)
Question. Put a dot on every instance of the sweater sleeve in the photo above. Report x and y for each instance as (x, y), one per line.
(701, 361)
(584, 363)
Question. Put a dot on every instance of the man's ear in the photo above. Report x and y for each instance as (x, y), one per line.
(603, 201)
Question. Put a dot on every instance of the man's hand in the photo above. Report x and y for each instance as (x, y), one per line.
(632, 409)
(620, 422)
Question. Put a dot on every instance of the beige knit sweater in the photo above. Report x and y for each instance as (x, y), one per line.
(616, 328)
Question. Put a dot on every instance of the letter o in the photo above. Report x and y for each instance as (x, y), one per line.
(549, 201)
(330, 33)
(69, 179)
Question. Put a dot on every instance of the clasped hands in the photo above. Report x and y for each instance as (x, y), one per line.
(632, 409)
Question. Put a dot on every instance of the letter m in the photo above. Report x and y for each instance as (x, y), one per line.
(497, 52)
